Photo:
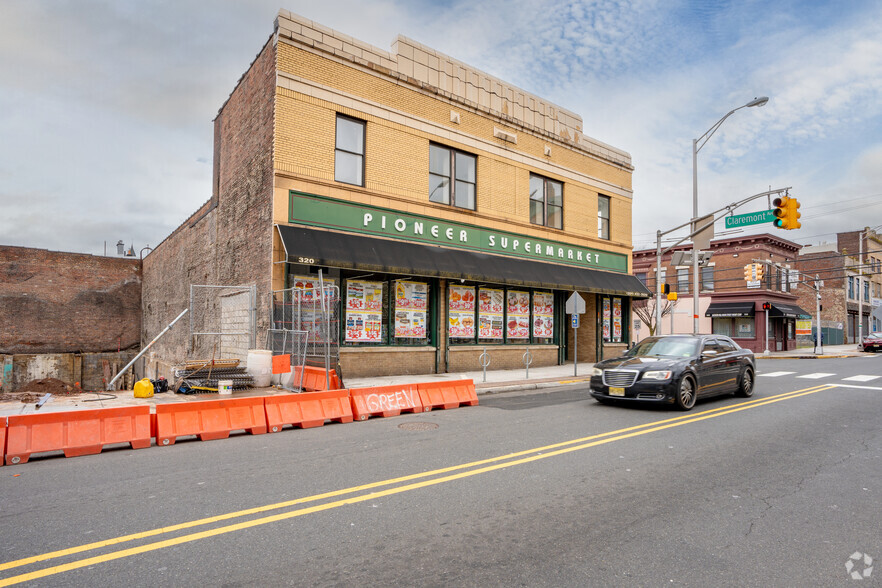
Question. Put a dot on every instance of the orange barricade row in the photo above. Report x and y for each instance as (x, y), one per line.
(2, 440)
(448, 394)
(209, 419)
(314, 379)
(385, 400)
(77, 432)
(309, 409)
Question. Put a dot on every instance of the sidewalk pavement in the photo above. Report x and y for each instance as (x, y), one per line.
(493, 381)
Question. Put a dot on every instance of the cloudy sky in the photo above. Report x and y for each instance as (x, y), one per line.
(106, 107)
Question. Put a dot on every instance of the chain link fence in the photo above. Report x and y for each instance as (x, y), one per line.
(222, 321)
(305, 309)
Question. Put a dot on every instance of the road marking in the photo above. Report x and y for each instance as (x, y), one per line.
(537, 454)
(775, 374)
(858, 387)
(861, 378)
(816, 376)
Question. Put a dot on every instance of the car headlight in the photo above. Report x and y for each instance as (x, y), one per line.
(597, 372)
(657, 375)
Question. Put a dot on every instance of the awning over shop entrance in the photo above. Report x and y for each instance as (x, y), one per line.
(729, 309)
(787, 311)
(345, 250)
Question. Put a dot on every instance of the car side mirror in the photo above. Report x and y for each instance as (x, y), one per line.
(708, 353)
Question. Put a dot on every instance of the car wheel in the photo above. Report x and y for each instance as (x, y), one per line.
(686, 393)
(745, 386)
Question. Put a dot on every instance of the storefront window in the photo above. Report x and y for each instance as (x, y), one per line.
(491, 317)
(611, 318)
(364, 311)
(722, 326)
(387, 312)
(461, 314)
(487, 315)
(411, 313)
(737, 328)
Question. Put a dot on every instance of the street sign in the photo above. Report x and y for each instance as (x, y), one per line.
(575, 304)
(575, 323)
(751, 218)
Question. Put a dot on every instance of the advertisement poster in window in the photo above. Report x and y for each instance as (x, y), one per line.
(490, 318)
(362, 295)
(518, 306)
(461, 324)
(410, 324)
(617, 319)
(310, 286)
(462, 298)
(543, 314)
(606, 319)
(363, 326)
(411, 295)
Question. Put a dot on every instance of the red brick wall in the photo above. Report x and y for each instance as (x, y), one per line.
(56, 302)
(228, 241)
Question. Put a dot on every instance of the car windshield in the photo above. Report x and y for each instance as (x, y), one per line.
(875, 335)
(665, 346)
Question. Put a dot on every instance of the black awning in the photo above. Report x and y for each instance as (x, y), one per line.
(787, 311)
(345, 250)
(730, 309)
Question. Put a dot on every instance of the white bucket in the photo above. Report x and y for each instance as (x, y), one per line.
(260, 366)
(225, 387)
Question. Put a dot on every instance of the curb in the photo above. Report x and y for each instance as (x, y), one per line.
(526, 385)
(805, 356)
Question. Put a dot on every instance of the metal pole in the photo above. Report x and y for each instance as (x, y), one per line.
(143, 351)
(818, 331)
(694, 248)
(673, 310)
(766, 352)
(860, 336)
(658, 286)
(327, 317)
(576, 349)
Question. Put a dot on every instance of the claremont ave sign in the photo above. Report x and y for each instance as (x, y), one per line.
(751, 218)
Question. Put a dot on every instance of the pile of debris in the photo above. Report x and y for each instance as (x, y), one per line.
(31, 392)
(202, 376)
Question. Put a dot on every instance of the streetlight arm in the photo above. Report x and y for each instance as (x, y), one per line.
(700, 142)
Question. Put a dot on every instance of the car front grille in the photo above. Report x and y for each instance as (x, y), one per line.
(619, 378)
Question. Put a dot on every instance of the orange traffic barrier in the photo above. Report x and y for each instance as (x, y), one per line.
(282, 364)
(77, 432)
(209, 419)
(309, 409)
(448, 394)
(314, 379)
(2, 441)
(385, 400)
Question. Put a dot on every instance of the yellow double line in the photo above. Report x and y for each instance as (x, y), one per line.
(462, 471)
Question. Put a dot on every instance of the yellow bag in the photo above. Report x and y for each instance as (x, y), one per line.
(144, 388)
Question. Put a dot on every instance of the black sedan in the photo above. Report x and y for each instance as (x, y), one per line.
(872, 342)
(675, 369)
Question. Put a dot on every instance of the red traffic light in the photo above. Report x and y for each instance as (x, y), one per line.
(767, 306)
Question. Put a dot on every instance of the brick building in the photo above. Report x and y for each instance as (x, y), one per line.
(451, 210)
(66, 315)
(846, 276)
(729, 304)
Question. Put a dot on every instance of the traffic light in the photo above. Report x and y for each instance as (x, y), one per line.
(666, 289)
(767, 306)
(792, 214)
(786, 213)
(759, 271)
(780, 212)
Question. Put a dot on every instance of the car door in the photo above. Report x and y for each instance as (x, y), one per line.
(711, 367)
(731, 363)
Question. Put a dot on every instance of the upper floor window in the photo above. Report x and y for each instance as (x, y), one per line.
(851, 287)
(603, 217)
(642, 277)
(707, 277)
(349, 151)
(546, 202)
(452, 177)
(683, 280)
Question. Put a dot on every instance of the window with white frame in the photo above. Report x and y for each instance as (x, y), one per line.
(546, 202)
(683, 280)
(603, 206)
(452, 177)
(349, 151)
(707, 277)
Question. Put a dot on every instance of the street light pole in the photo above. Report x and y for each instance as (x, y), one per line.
(697, 144)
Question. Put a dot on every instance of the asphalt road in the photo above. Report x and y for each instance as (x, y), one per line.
(527, 489)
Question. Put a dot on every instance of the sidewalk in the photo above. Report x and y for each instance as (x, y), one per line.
(495, 381)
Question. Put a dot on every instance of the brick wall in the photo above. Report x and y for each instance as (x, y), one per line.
(56, 302)
(228, 241)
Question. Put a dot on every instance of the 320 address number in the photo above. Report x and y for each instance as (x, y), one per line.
(305, 260)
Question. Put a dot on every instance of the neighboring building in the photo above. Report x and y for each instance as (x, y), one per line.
(728, 304)
(846, 277)
(453, 210)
